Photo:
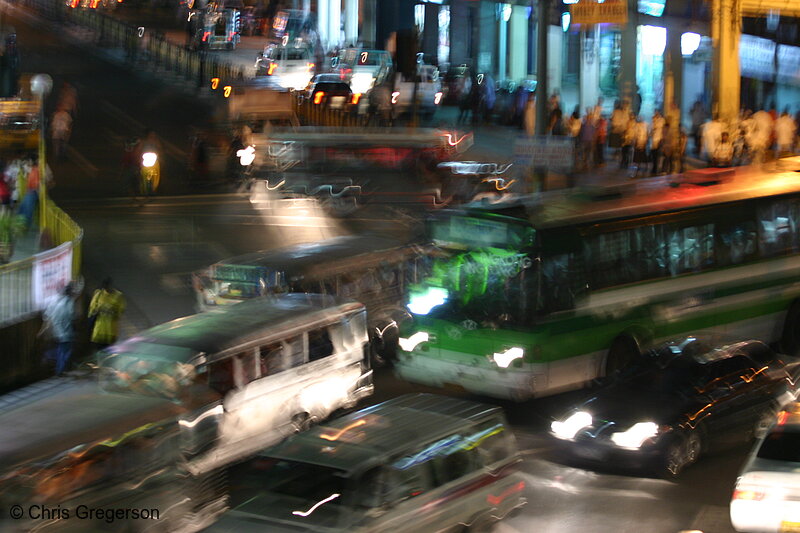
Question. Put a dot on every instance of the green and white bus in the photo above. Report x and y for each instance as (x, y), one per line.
(546, 294)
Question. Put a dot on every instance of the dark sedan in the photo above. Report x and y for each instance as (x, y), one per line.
(677, 402)
(330, 91)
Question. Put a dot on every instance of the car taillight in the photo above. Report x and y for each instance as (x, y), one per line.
(355, 99)
(318, 96)
(394, 96)
(310, 66)
(437, 98)
(748, 494)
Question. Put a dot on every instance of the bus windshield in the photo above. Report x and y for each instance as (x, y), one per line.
(473, 232)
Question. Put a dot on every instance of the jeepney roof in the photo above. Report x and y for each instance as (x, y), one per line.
(79, 415)
(420, 137)
(13, 106)
(400, 425)
(320, 258)
(230, 326)
(657, 196)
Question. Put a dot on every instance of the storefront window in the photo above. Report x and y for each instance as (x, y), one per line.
(610, 54)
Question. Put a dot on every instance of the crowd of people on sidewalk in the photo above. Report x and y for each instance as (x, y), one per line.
(19, 184)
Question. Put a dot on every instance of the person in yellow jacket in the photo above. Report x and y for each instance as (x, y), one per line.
(106, 307)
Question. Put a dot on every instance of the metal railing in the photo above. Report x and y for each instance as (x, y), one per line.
(17, 299)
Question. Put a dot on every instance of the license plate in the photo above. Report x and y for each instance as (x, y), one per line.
(790, 527)
(337, 101)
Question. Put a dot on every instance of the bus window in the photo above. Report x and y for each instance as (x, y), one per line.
(271, 360)
(319, 344)
(295, 351)
(691, 249)
(559, 281)
(736, 243)
(220, 375)
(778, 228)
(244, 366)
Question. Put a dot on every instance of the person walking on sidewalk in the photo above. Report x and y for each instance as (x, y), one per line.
(657, 135)
(61, 314)
(105, 310)
(640, 138)
(785, 131)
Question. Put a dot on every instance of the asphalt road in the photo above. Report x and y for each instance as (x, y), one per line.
(150, 247)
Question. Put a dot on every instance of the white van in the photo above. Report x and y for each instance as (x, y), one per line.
(279, 364)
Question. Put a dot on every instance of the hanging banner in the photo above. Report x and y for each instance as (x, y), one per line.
(590, 12)
(52, 270)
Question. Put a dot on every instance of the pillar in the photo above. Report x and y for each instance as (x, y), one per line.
(350, 22)
(555, 67)
(542, 42)
(502, 44)
(335, 22)
(368, 16)
(726, 29)
(518, 59)
(306, 7)
(589, 75)
(486, 31)
(322, 23)
(430, 34)
(673, 70)
(459, 32)
(629, 47)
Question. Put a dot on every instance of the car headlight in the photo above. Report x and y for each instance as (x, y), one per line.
(413, 341)
(570, 427)
(635, 436)
(505, 358)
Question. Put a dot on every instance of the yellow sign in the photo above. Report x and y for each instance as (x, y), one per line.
(591, 12)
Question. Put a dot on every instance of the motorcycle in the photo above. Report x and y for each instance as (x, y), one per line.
(150, 173)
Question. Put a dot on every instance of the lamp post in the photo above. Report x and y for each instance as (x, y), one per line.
(41, 85)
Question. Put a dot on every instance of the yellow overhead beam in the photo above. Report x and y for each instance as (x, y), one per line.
(759, 8)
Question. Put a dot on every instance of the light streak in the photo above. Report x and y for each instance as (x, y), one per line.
(316, 505)
(338, 434)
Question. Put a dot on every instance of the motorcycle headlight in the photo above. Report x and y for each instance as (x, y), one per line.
(636, 435)
(149, 159)
(568, 428)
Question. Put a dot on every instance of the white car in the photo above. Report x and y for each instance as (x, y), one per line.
(292, 67)
(767, 493)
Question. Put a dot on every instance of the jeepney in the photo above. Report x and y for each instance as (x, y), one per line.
(19, 125)
(69, 460)
(216, 28)
(370, 269)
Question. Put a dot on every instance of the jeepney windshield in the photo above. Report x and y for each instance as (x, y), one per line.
(149, 369)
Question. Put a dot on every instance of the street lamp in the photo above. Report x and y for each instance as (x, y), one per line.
(41, 85)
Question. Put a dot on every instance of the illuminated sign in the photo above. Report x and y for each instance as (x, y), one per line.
(590, 12)
(654, 8)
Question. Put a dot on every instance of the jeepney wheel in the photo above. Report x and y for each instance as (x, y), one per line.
(681, 453)
(302, 422)
(624, 350)
(790, 341)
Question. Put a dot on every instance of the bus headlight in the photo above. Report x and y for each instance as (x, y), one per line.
(422, 303)
(413, 341)
(504, 359)
(635, 436)
(570, 427)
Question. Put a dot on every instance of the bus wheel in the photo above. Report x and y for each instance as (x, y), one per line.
(302, 422)
(790, 343)
(624, 350)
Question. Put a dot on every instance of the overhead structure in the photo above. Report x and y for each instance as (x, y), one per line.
(726, 31)
(758, 8)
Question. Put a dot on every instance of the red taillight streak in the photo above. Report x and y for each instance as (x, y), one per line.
(497, 500)
(355, 99)
(272, 67)
(318, 97)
